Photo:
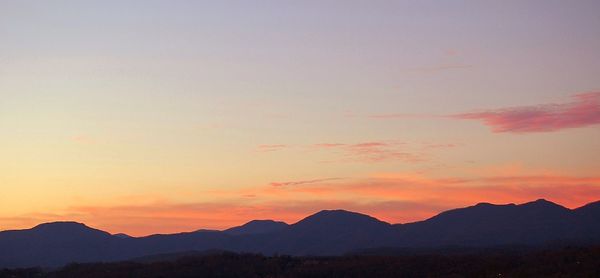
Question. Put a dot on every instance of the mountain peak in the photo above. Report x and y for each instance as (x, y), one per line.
(486, 204)
(59, 225)
(340, 217)
(122, 235)
(257, 227)
(256, 222)
(543, 203)
(336, 213)
(64, 228)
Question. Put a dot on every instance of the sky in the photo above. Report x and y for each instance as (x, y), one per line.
(149, 117)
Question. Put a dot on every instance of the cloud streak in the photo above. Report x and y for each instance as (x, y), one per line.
(372, 152)
(583, 111)
(271, 148)
(571, 191)
(367, 152)
(288, 183)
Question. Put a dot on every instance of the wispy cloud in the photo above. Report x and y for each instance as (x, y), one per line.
(271, 148)
(287, 183)
(372, 151)
(583, 111)
(571, 191)
(369, 145)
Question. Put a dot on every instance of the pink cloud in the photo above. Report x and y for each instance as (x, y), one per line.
(583, 111)
(369, 145)
(270, 148)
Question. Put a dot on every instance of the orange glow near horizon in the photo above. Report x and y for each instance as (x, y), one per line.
(394, 198)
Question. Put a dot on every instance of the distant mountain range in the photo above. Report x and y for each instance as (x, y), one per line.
(329, 232)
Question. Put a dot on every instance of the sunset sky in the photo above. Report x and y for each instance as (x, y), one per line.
(150, 117)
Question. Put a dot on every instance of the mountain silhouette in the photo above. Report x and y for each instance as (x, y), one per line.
(487, 224)
(257, 227)
(588, 220)
(328, 232)
(54, 244)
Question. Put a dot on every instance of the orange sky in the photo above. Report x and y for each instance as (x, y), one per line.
(157, 117)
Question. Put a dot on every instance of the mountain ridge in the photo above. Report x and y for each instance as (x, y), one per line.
(327, 232)
(257, 227)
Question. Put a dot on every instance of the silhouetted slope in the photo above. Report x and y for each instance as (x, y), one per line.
(329, 232)
(54, 244)
(590, 211)
(588, 221)
(257, 227)
(122, 235)
(487, 225)
(181, 242)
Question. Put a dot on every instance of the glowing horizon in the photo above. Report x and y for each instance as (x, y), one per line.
(291, 219)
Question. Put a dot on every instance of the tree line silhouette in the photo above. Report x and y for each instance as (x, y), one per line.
(564, 262)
